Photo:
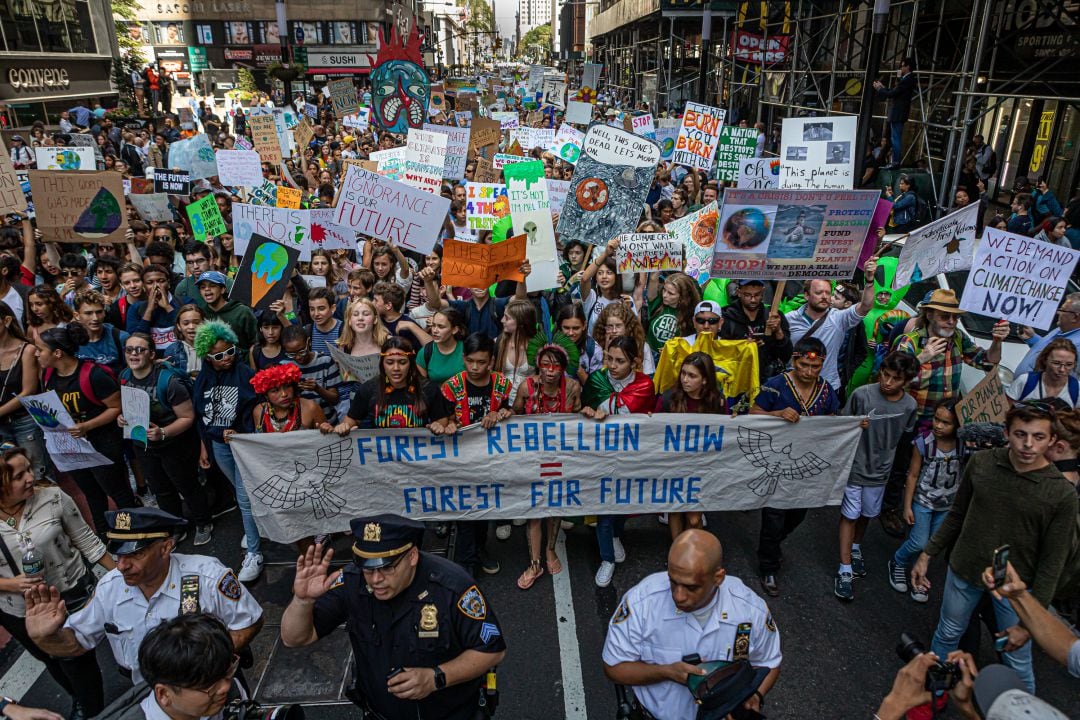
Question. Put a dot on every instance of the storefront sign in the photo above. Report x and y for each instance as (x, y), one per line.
(751, 48)
(267, 55)
(25, 79)
(326, 60)
(244, 54)
(46, 78)
(197, 59)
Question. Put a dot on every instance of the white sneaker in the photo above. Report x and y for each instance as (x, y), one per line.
(243, 542)
(662, 519)
(620, 551)
(603, 575)
(502, 532)
(519, 522)
(251, 568)
(566, 525)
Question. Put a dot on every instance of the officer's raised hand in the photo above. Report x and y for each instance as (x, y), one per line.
(412, 683)
(45, 611)
(313, 578)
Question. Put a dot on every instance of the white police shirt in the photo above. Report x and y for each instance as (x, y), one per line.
(152, 711)
(647, 627)
(120, 613)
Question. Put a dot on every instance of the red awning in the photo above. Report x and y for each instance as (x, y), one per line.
(338, 71)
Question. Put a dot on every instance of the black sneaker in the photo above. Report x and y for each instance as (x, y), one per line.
(842, 587)
(490, 566)
(898, 577)
(203, 533)
(858, 567)
(769, 585)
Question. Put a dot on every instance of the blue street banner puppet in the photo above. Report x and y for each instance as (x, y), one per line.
(400, 89)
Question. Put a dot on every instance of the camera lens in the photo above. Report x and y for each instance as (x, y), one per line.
(909, 647)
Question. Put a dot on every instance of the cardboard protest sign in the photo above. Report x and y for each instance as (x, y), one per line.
(536, 78)
(205, 217)
(485, 204)
(288, 197)
(75, 207)
(65, 158)
(425, 157)
(152, 207)
(303, 133)
(286, 226)
(472, 265)
(736, 145)
(264, 273)
(196, 155)
(325, 234)
(567, 144)
(696, 232)
(648, 252)
(12, 199)
(759, 173)
(463, 118)
(579, 113)
(264, 136)
(699, 136)
(173, 183)
(486, 134)
(985, 403)
(557, 190)
(457, 149)
(86, 140)
(374, 205)
(343, 96)
(140, 186)
(486, 172)
(239, 168)
(1018, 278)
(531, 214)
(360, 120)
(818, 153)
(530, 137)
(610, 182)
(785, 234)
(945, 245)
(437, 101)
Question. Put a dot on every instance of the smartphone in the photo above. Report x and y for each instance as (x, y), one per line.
(395, 671)
(1001, 559)
(1000, 643)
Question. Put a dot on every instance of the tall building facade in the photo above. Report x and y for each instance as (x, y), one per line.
(533, 13)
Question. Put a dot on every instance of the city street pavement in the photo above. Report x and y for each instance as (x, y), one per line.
(839, 659)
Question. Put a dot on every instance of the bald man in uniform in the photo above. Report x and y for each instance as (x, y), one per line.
(693, 608)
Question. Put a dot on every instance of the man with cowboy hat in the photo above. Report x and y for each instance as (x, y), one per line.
(941, 350)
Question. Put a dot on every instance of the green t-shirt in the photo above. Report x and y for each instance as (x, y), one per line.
(439, 367)
(663, 324)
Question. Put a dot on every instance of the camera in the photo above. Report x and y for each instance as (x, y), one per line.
(249, 710)
(940, 677)
(982, 435)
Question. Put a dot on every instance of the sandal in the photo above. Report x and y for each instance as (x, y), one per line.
(554, 567)
(530, 576)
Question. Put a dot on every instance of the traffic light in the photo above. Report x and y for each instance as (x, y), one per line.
(498, 43)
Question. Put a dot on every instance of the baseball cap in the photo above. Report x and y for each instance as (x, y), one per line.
(1002, 695)
(212, 276)
(750, 281)
(708, 306)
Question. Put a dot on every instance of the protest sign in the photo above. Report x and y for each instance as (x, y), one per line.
(196, 155)
(327, 235)
(457, 149)
(485, 204)
(698, 136)
(610, 182)
(12, 199)
(264, 273)
(567, 144)
(74, 206)
(65, 158)
(530, 137)
(590, 76)
(265, 194)
(135, 406)
(425, 157)
(554, 92)
(696, 232)
(791, 234)
(287, 197)
(239, 168)
(67, 453)
(1018, 278)
(343, 96)
(870, 244)
(648, 252)
(152, 207)
(389, 210)
(284, 225)
(507, 120)
(736, 145)
(205, 217)
(355, 368)
(391, 163)
(758, 173)
(437, 99)
(552, 466)
(303, 133)
(486, 172)
(530, 213)
(945, 245)
(360, 120)
(501, 160)
(557, 190)
(579, 113)
(485, 137)
(643, 125)
(88, 140)
(818, 153)
(463, 118)
(264, 137)
(309, 109)
(172, 183)
(985, 403)
(470, 265)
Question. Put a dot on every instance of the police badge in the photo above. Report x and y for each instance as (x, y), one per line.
(429, 622)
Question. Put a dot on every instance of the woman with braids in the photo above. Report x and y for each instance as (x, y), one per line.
(283, 410)
(550, 390)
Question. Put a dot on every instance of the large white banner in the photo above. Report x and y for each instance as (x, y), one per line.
(945, 245)
(303, 483)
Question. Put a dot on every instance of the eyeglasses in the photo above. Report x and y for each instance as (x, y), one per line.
(219, 356)
(706, 321)
(387, 569)
(71, 273)
(1062, 365)
(297, 354)
(215, 690)
(136, 350)
(1071, 312)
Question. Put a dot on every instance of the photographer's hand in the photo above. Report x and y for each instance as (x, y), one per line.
(962, 694)
(909, 688)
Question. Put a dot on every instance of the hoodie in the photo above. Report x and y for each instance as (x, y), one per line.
(221, 398)
(773, 354)
(240, 319)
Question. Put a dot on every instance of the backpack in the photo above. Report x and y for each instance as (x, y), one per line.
(85, 386)
(1032, 382)
(922, 211)
(167, 372)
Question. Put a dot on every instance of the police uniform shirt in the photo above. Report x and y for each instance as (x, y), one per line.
(438, 617)
(122, 614)
(647, 627)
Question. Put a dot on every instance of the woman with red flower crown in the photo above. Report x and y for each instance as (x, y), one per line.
(283, 410)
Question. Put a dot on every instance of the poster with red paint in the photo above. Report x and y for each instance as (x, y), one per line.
(699, 136)
(388, 210)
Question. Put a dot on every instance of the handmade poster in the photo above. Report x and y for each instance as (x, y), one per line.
(665, 138)
(610, 182)
(172, 183)
(557, 190)
(590, 77)
(501, 160)
(400, 88)
(75, 206)
(65, 158)
(152, 207)
(554, 92)
(359, 368)
(736, 144)
(463, 118)
(205, 217)
(289, 227)
(360, 120)
(135, 405)
(305, 482)
(239, 168)
(66, 452)
(196, 155)
(530, 213)
(507, 120)
(88, 140)
(391, 163)
(942, 246)
(381, 208)
(1018, 278)
(343, 96)
(536, 78)
(486, 172)
(303, 133)
(468, 102)
(265, 194)
(818, 153)
(12, 199)
(579, 113)
(648, 252)
(243, 143)
(326, 235)
(485, 137)
(696, 232)
(139, 186)
(437, 101)
(699, 136)
(470, 265)
(314, 281)
(759, 173)
(531, 137)
(789, 234)
(310, 109)
(264, 136)
(425, 157)
(485, 204)
(457, 149)
(643, 125)
(986, 402)
(264, 273)
(288, 197)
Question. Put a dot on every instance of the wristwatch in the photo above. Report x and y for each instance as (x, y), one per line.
(440, 678)
(5, 701)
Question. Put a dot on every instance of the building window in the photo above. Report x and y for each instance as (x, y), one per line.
(57, 26)
(312, 33)
(238, 33)
(268, 31)
(369, 33)
(343, 33)
(204, 34)
(169, 33)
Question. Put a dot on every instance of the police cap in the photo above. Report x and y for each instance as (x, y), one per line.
(378, 540)
(132, 529)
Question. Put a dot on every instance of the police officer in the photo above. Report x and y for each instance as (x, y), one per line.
(692, 609)
(422, 633)
(149, 585)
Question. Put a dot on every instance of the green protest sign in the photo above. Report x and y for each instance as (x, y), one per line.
(205, 217)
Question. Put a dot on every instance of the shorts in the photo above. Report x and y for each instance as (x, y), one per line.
(862, 501)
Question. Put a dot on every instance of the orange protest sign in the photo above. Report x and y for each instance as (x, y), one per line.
(473, 265)
(288, 197)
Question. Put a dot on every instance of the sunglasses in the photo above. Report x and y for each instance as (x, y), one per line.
(71, 273)
(136, 350)
(1039, 406)
(707, 321)
(219, 356)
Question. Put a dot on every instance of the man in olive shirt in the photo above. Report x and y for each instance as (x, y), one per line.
(1008, 496)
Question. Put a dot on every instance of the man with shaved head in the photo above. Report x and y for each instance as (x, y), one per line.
(694, 608)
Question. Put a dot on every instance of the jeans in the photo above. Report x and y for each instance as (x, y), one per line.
(469, 544)
(958, 602)
(24, 432)
(170, 475)
(103, 482)
(224, 458)
(776, 525)
(897, 140)
(609, 527)
(927, 522)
